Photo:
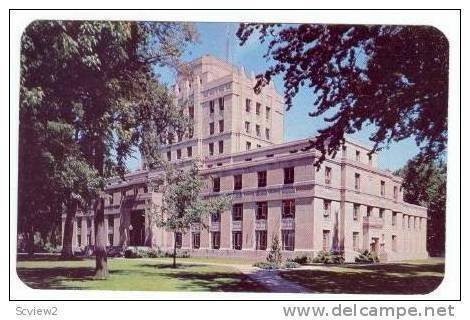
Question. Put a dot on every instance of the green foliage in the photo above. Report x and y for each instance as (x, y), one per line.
(424, 184)
(329, 257)
(394, 77)
(367, 256)
(301, 259)
(275, 266)
(274, 255)
(134, 253)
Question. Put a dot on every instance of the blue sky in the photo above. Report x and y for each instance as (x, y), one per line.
(213, 39)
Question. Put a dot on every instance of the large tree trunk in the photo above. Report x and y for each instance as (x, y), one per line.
(101, 269)
(67, 249)
(30, 241)
(174, 250)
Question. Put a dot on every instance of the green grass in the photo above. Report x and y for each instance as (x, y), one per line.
(133, 274)
(408, 277)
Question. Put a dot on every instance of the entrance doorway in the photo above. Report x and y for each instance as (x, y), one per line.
(374, 246)
(137, 228)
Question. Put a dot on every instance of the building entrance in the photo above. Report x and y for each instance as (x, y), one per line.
(137, 228)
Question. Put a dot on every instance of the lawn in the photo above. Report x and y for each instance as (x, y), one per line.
(133, 274)
(408, 277)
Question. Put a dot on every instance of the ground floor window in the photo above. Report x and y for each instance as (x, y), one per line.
(394, 243)
(79, 240)
(110, 239)
(178, 240)
(326, 240)
(215, 240)
(356, 241)
(88, 239)
(196, 240)
(288, 240)
(237, 240)
(261, 239)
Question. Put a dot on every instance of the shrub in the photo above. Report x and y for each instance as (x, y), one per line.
(367, 257)
(291, 265)
(329, 257)
(301, 259)
(266, 265)
(274, 255)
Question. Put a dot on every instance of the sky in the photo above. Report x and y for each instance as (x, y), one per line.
(215, 38)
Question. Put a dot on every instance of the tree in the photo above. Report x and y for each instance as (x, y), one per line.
(275, 256)
(182, 204)
(394, 77)
(99, 78)
(425, 185)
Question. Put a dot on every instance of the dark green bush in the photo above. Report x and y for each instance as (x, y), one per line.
(301, 259)
(367, 256)
(329, 257)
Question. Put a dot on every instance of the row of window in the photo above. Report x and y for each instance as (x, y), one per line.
(257, 108)
(267, 132)
(357, 186)
(179, 155)
(262, 179)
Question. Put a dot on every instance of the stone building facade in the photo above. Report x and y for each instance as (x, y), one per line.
(348, 204)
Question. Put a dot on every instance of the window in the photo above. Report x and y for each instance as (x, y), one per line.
(110, 239)
(326, 209)
(248, 145)
(268, 113)
(237, 212)
(247, 105)
(258, 146)
(258, 108)
(196, 240)
(261, 239)
(262, 179)
(191, 112)
(215, 217)
(382, 188)
(357, 181)
(189, 150)
(270, 155)
(326, 240)
(394, 218)
(178, 154)
(88, 225)
(215, 237)
(79, 240)
(237, 240)
(369, 211)
(403, 221)
(211, 149)
(211, 128)
(111, 199)
(395, 192)
(146, 189)
(180, 137)
(261, 210)
(237, 182)
(211, 106)
(358, 155)
(381, 213)
(267, 133)
(216, 184)
(221, 125)
(190, 132)
(247, 126)
(168, 155)
(288, 175)
(221, 147)
(258, 130)
(345, 151)
(327, 175)
(110, 224)
(370, 159)
(356, 241)
(221, 103)
(288, 208)
(288, 240)
(178, 240)
(394, 243)
(356, 212)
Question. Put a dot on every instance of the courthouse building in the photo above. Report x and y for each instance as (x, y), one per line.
(349, 204)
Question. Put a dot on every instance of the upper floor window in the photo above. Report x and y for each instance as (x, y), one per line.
(288, 208)
(221, 104)
(211, 148)
(221, 146)
(369, 211)
(288, 175)
(395, 192)
(237, 182)
(258, 130)
(189, 151)
(215, 217)
(258, 108)
(357, 181)
(191, 112)
(211, 106)
(267, 133)
(327, 175)
(216, 184)
(268, 113)
(261, 210)
(358, 155)
(221, 125)
(211, 128)
(356, 212)
(262, 181)
(394, 218)
(248, 145)
(178, 154)
(370, 159)
(237, 212)
(247, 126)
(381, 213)
(382, 188)
(247, 105)
(327, 209)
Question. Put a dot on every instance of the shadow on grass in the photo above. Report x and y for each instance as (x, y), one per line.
(376, 279)
(49, 257)
(51, 278)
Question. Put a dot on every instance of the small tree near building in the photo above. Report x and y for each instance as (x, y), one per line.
(182, 202)
(274, 255)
